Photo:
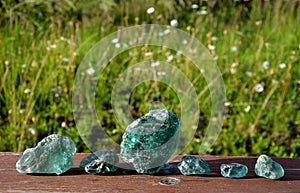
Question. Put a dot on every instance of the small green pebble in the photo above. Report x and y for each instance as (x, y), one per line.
(191, 165)
(233, 170)
(267, 168)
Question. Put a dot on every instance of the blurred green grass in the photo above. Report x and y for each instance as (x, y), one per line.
(42, 44)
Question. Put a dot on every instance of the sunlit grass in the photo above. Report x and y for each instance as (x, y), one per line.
(258, 57)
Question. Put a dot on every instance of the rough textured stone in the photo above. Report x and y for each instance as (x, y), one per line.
(149, 141)
(53, 155)
(233, 170)
(191, 165)
(100, 162)
(266, 167)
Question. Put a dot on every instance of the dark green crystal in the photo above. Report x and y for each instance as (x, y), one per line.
(150, 141)
(233, 170)
(100, 162)
(53, 155)
(191, 165)
(266, 167)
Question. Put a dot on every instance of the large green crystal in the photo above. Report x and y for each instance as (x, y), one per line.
(191, 165)
(100, 162)
(149, 141)
(53, 155)
(233, 170)
(266, 167)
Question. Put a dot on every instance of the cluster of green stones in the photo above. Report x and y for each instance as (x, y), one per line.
(148, 143)
(264, 167)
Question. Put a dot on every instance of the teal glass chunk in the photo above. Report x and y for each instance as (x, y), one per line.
(150, 141)
(191, 165)
(233, 170)
(100, 162)
(53, 155)
(267, 168)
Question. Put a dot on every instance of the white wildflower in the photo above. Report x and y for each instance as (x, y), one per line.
(26, 91)
(195, 6)
(63, 39)
(234, 49)
(211, 47)
(170, 58)
(174, 23)
(259, 88)
(248, 73)
(114, 41)
(233, 70)
(202, 12)
(258, 22)
(161, 73)
(31, 130)
(184, 42)
(167, 31)
(23, 65)
(193, 51)
(63, 124)
(214, 38)
(276, 82)
(247, 109)
(90, 71)
(150, 10)
(131, 54)
(266, 65)
(154, 64)
(118, 45)
(235, 64)
(65, 59)
(148, 54)
(179, 52)
(53, 46)
(227, 104)
(282, 65)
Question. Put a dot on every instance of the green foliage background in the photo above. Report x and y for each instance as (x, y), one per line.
(43, 42)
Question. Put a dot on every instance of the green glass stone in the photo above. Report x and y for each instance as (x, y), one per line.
(100, 162)
(233, 170)
(53, 155)
(266, 167)
(150, 141)
(191, 165)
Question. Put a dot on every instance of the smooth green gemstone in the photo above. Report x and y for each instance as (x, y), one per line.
(53, 155)
(191, 165)
(150, 141)
(233, 170)
(100, 162)
(266, 167)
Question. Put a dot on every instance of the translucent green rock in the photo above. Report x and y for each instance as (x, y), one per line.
(100, 162)
(53, 155)
(149, 141)
(266, 167)
(191, 165)
(233, 170)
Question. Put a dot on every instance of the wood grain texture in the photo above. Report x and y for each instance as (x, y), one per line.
(76, 180)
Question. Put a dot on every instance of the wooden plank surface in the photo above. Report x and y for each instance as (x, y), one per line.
(76, 180)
